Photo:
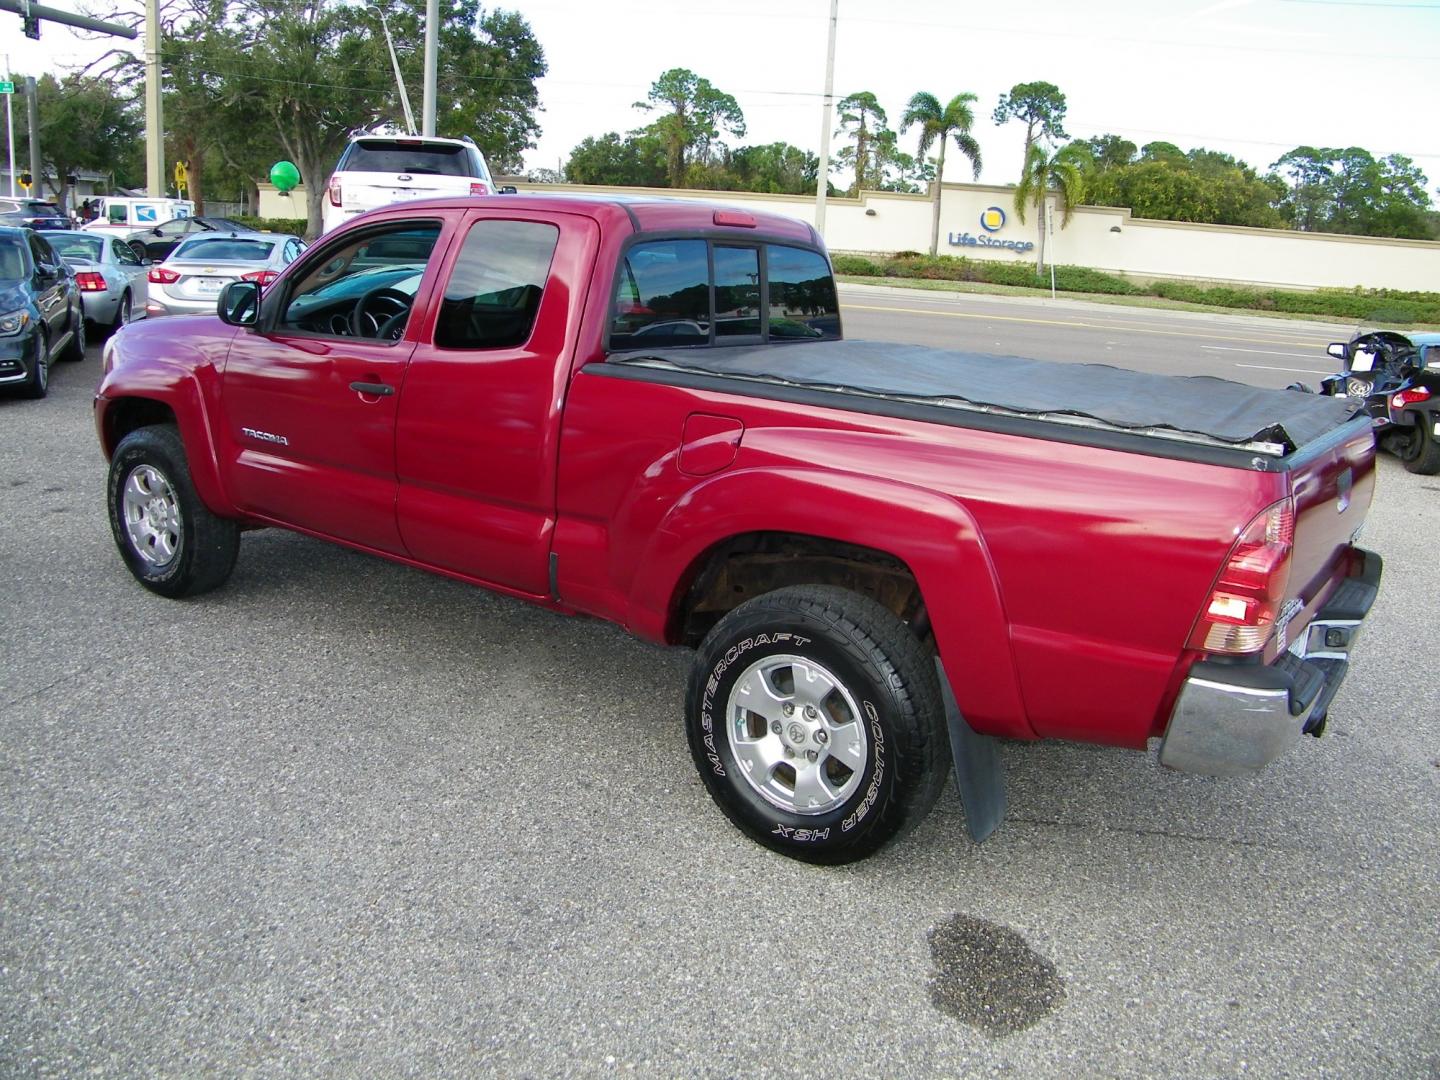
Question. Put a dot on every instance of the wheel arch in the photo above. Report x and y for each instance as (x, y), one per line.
(116, 417)
(918, 553)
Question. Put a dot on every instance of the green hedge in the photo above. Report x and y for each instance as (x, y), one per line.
(1377, 305)
(293, 226)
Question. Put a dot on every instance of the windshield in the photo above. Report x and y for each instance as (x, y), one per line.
(80, 248)
(224, 249)
(12, 263)
(421, 160)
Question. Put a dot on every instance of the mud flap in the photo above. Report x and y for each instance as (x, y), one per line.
(978, 772)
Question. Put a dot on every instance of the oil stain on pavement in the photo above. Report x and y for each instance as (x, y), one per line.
(989, 977)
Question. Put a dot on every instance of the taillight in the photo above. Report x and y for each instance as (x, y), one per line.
(1413, 396)
(89, 281)
(264, 277)
(1247, 597)
(161, 276)
(335, 191)
(479, 189)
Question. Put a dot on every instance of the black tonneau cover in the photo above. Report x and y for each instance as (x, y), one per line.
(1200, 405)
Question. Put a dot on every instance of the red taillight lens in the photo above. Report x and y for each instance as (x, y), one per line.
(90, 281)
(160, 276)
(479, 189)
(1248, 595)
(1412, 396)
(264, 277)
(334, 191)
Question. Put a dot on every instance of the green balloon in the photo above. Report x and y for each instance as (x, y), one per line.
(284, 175)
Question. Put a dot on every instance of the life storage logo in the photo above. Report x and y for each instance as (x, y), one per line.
(992, 219)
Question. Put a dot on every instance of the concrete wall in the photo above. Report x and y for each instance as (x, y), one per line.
(1099, 237)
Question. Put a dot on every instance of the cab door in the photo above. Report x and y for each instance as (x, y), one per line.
(310, 396)
(477, 438)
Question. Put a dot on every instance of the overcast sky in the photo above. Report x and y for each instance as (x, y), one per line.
(1254, 78)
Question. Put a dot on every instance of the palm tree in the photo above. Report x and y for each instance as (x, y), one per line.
(938, 126)
(862, 113)
(1045, 168)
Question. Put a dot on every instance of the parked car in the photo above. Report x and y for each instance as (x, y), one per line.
(159, 241)
(885, 555)
(32, 214)
(376, 170)
(41, 316)
(188, 282)
(111, 276)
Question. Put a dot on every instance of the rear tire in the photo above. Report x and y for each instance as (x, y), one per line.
(815, 719)
(169, 539)
(122, 314)
(38, 384)
(1423, 453)
(75, 351)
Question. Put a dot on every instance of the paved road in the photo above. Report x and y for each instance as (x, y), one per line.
(1253, 349)
(346, 819)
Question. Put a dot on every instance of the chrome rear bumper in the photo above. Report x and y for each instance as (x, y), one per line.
(1233, 719)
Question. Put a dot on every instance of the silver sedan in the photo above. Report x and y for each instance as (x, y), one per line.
(111, 276)
(190, 280)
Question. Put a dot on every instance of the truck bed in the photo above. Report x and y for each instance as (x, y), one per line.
(1199, 417)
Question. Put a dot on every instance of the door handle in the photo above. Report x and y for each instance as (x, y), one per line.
(378, 389)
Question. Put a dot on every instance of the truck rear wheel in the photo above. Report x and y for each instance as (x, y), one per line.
(815, 719)
(168, 538)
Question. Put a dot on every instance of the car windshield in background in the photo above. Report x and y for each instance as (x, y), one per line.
(389, 157)
(225, 249)
(12, 263)
(80, 247)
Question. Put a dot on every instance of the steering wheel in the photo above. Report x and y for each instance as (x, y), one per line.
(380, 313)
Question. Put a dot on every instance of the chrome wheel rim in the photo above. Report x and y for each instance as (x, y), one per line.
(797, 734)
(152, 516)
(122, 318)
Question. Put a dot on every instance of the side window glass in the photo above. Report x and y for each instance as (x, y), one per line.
(364, 288)
(42, 254)
(803, 304)
(118, 215)
(123, 253)
(737, 294)
(662, 297)
(493, 294)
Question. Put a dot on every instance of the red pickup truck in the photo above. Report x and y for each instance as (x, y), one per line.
(885, 556)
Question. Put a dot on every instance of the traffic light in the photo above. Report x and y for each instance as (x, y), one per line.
(26, 180)
(32, 26)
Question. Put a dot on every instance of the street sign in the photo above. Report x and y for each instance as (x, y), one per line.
(7, 87)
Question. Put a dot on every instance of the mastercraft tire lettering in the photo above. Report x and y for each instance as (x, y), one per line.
(815, 721)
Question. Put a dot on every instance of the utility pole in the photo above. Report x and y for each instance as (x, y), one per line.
(823, 184)
(432, 48)
(399, 82)
(10, 126)
(154, 120)
(32, 114)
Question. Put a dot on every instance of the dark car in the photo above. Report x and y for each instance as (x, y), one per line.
(32, 214)
(41, 315)
(160, 240)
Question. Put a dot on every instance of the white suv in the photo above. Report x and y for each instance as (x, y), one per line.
(377, 170)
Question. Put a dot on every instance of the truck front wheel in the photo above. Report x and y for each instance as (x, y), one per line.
(815, 719)
(168, 538)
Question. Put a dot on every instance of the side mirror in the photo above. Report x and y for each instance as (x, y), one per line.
(157, 231)
(239, 303)
(1339, 350)
(144, 262)
(508, 189)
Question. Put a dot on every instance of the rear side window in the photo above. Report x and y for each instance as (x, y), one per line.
(396, 157)
(118, 214)
(224, 249)
(494, 292)
(691, 292)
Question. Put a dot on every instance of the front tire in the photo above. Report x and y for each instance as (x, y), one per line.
(169, 539)
(815, 719)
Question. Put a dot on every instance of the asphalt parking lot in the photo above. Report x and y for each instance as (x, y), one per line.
(344, 818)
